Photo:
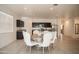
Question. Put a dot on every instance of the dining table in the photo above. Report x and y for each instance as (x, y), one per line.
(38, 38)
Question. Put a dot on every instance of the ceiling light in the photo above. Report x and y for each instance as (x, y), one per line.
(25, 8)
(51, 8)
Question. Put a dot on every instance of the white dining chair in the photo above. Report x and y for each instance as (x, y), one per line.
(54, 37)
(27, 40)
(46, 40)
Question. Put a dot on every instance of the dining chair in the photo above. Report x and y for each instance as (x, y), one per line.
(27, 40)
(54, 37)
(37, 32)
(46, 40)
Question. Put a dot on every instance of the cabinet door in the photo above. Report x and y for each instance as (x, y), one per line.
(19, 35)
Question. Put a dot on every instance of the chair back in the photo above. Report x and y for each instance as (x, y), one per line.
(36, 32)
(46, 39)
(27, 38)
(54, 36)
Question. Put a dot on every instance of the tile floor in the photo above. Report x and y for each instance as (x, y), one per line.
(65, 46)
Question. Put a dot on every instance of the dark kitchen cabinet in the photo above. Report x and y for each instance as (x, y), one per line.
(19, 35)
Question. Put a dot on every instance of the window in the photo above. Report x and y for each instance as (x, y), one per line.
(6, 23)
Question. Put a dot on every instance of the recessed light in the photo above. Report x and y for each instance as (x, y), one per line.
(51, 8)
(25, 8)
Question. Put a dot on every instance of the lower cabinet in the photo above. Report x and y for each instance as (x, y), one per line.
(19, 35)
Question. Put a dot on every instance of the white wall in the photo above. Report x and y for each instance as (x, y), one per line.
(27, 24)
(9, 37)
(69, 27)
(59, 27)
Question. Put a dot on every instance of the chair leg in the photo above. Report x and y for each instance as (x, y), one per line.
(48, 49)
(30, 49)
(25, 48)
(52, 45)
(43, 50)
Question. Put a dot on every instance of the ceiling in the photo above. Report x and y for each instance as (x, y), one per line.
(43, 10)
